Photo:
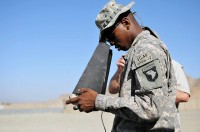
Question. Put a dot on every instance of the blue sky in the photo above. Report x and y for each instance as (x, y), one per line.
(46, 44)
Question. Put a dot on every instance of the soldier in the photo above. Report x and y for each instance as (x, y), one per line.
(147, 85)
(183, 90)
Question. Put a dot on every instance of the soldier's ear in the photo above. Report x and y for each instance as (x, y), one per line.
(125, 22)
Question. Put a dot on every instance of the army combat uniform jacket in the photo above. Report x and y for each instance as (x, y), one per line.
(146, 100)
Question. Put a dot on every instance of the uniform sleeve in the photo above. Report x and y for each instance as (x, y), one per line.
(136, 108)
(146, 104)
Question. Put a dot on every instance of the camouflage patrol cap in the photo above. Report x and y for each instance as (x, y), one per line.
(109, 14)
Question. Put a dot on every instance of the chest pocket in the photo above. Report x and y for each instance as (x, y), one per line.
(148, 71)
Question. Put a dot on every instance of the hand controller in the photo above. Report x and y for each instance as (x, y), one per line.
(74, 96)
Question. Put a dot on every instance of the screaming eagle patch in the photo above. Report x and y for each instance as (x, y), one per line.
(151, 73)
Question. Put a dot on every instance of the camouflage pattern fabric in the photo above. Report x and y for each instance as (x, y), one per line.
(146, 100)
(109, 14)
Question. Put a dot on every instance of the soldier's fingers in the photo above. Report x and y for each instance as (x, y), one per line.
(81, 110)
(120, 64)
(68, 101)
(72, 100)
(83, 90)
(121, 60)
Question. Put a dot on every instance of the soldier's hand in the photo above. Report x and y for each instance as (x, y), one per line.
(85, 101)
(121, 63)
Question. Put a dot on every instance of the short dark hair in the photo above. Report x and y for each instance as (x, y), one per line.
(121, 16)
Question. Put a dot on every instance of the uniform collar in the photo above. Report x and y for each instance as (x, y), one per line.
(143, 33)
(139, 36)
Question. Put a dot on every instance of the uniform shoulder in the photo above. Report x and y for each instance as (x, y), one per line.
(176, 64)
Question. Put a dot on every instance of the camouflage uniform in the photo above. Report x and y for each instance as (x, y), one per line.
(147, 94)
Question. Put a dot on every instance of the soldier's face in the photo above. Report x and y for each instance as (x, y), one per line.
(117, 36)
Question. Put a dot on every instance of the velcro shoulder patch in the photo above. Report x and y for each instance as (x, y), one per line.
(144, 58)
(150, 75)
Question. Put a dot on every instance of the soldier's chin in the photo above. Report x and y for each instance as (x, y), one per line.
(122, 48)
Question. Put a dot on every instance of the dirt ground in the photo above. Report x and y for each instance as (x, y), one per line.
(76, 122)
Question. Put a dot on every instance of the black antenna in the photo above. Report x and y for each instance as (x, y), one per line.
(134, 13)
